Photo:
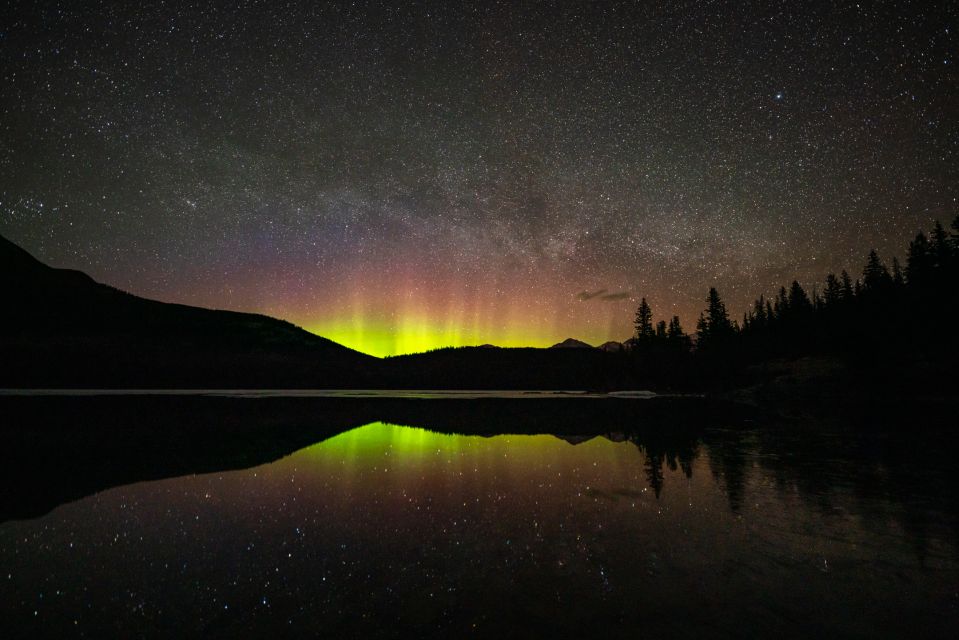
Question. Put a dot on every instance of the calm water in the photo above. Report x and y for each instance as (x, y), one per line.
(385, 529)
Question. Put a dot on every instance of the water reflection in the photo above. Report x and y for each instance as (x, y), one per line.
(386, 528)
(61, 448)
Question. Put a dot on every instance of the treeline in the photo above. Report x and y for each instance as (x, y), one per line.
(889, 311)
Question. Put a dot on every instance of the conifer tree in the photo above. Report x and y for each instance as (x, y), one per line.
(919, 260)
(833, 291)
(702, 327)
(940, 249)
(676, 337)
(644, 322)
(875, 275)
(714, 327)
(675, 330)
(782, 304)
(847, 289)
(898, 279)
(759, 313)
(798, 300)
(817, 303)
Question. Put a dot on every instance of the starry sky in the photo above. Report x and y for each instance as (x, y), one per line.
(403, 176)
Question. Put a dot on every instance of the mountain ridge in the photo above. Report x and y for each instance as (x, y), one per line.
(68, 330)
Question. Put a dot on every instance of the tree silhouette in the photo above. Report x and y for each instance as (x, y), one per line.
(756, 318)
(799, 303)
(881, 318)
(781, 306)
(898, 278)
(919, 261)
(644, 323)
(847, 290)
(676, 337)
(760, 317)
(832, 294)
(654, 469)
(875, 275)
(714, 326)
(940, 251)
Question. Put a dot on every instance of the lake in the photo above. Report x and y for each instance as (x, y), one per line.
(620, 522)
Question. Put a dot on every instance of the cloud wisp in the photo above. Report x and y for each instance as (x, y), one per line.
(603, 295)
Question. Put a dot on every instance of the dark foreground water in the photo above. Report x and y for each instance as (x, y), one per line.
(721, 530)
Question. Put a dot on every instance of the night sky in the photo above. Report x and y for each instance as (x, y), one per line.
(407, 177)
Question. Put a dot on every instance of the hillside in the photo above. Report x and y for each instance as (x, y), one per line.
(501, 368)
(62, 328)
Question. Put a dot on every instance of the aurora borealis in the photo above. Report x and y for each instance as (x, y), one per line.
(402, 176)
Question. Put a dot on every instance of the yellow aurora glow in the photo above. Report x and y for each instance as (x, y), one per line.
(412, 334)
(417, 325)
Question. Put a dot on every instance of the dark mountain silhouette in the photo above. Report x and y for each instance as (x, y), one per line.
(875, 340)
(571, 343)
(502, 368)
(62, 328)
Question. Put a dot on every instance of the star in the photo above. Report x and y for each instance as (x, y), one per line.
(411, 182)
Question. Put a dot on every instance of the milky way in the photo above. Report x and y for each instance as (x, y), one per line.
(443, 173)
